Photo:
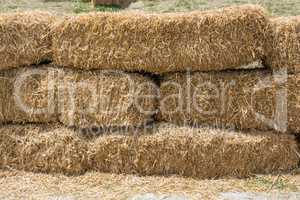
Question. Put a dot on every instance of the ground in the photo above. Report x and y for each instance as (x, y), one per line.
(275, 7)
(23, 185)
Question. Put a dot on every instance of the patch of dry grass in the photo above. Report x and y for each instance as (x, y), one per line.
(92, 186)
(275, 7)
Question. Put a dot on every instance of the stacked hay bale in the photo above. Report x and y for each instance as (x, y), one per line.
(42, 148)
(242, 99)
(158, 43)
(28, 95)
(106, 99)
(284, 44)
(25, 39)
(92, 106)
(83, 99)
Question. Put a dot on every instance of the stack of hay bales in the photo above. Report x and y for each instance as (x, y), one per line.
(264, 99)
(150, 94)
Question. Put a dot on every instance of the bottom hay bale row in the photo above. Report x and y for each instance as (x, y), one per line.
(168, 150)
(256, 99)
(76, 98)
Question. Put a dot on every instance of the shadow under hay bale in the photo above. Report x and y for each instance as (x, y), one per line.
(283, 50)
(25, 38)
(195, 152)
(256, 99)
(158, 43)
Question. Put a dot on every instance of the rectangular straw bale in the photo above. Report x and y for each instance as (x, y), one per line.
(43, 148)
(76, 98)
(283, 50)
(27, 95)
(106, 99)
(256, 99)
(158, 43)
(194, 152)
(24, 38)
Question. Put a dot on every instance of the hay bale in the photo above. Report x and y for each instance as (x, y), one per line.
(255, 99)
(106, 99)
(283, 50)
(195, 152)
(76, 98)
(49, 149)
(158, 43)
(27, 95)
(25, 38)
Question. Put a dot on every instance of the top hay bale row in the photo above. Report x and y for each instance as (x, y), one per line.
(283, 50)
(158, 43)
(24, 38)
